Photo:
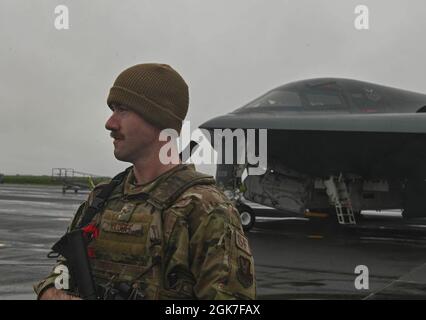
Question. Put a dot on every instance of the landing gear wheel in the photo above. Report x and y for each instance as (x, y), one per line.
(247, 217)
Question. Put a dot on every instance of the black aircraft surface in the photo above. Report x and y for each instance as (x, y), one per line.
(334, 143)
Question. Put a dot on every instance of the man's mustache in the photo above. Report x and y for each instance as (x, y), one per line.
(116, 135)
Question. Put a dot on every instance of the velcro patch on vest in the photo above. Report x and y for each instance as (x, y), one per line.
(126, 212)
(244, 275)
(242, 242)
(122, 227)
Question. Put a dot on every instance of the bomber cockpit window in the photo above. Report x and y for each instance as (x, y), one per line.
(324, 100)
(316, 97)
(323, 96)
(277, 98)
(368, 100)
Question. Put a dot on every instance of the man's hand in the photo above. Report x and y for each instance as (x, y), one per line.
(55, 294)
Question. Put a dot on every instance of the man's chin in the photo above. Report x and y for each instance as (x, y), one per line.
(121, 157)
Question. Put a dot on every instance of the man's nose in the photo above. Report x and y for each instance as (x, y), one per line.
(112, 123)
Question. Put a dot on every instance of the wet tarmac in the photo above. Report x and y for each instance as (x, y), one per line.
(295, 258)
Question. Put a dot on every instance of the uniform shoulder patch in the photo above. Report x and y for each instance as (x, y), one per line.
(242, 242)
(244, 275)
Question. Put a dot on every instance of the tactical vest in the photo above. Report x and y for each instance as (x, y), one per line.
(134, 233)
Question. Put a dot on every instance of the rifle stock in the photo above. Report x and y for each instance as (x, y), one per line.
(73, 247)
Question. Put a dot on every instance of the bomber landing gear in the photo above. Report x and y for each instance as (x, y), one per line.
(247, 216)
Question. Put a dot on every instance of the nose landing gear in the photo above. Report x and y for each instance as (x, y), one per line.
(247, 216)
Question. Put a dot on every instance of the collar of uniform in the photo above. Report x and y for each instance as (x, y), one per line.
(130, 188)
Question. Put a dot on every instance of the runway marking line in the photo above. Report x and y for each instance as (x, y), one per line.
(315, 236)
(378, 291)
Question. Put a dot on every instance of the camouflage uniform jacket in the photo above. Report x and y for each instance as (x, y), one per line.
(194, 248)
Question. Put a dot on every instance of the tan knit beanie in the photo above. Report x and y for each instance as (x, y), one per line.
(155, 91)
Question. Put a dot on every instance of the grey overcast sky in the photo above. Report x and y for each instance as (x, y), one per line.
(54, 83)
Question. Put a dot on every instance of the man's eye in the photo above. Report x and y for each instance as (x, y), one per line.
(120, 109)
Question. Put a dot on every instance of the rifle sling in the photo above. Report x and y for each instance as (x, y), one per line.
(99, 201)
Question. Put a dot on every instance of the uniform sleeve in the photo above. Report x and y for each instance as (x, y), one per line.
(49, 281)
(220, 256)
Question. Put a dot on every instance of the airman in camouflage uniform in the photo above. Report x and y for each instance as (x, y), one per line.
(174, 237)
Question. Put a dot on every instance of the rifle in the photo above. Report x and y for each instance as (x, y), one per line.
(73, 247)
